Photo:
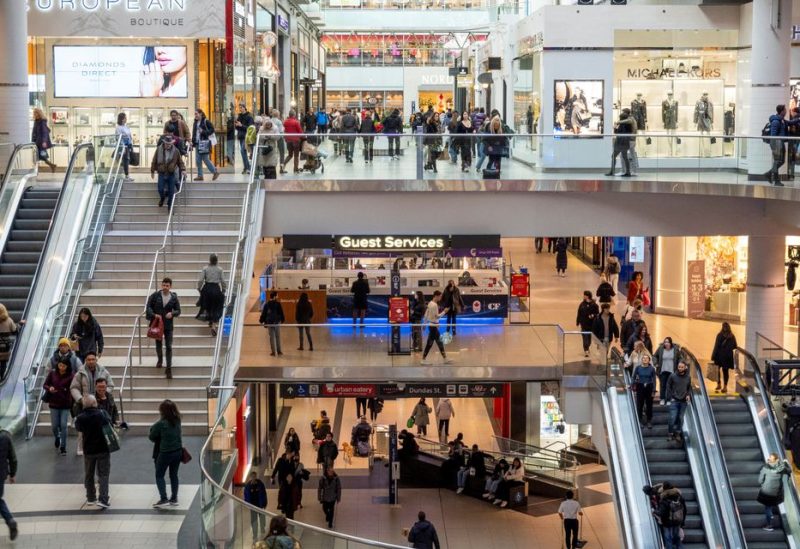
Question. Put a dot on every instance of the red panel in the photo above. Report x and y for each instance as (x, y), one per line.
(243, 456)
(229, 32)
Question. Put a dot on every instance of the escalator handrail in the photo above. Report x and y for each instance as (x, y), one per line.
(12, 158)
(724, 501)
(773, 433)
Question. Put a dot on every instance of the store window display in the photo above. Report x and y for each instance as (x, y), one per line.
(669, 119)
(578, 107)
(704, 120)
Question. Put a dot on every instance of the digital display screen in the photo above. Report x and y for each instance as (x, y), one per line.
(120, 71)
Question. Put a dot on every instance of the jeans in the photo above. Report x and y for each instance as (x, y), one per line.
(644, 401)
(172, 461)
(461, 477)
(768, 514)
(245, 158)
(327, 508)
(571, 531)
(307, 329)
(663, 377)
(166, 187)
(778, 156)
(481, 155)
(451, 319)
(274, 338)
(100, 463)
(201, 159)
(369, 145)
(168, 344)
(433, 337)
(672, 537)
(258, 523)
(126, 159)
(230, 148)
(587, 339)
(622, 150)
(58, 422)
(349, 146)
(453, 151)
(676, 411)
(492, 484)
(394, 145)
(444, 428)
(4, 511)
(416, 337)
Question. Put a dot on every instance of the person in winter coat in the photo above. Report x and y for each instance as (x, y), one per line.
(642, 335)
(644, 378)
(665, 360)
(465, 129)
(367, 131)
(83, 383)
(629, 328)
(423, 534)
(722, 355)
(679, 390)
(360, 290)
(8, 471)
(605, 326)
(303, 314)
(243, 121)
(635, 357)
(778, 127)
(327, 452)
(86, 330)
(105, 400)
(624, 131)
(360, 434)
(445, 412)
(636, 287)
(393, 127)
(587, 312)
(329, 493)
(310, 122)
(513, 477)
(168, 451)
(202, 131)
(475, 467)
(7, 328)
(494, 145)
(561, 257)
(454, 303)
(255, 493)
(375, 407)
(279, 537)
(211, 285)
(167, 162)
(613, 268)
(349, 124)
(64, 352)
(284, 473)
(421, 417)
(291, 127)
(770, 480)
(605, 291)
(271, 318)
(40, 136)
(59, 399)
(90, 423)
(292, 441)
(433, 141)
(493, 480)
(672, 515)
(164, 303)
(418, 308)
(269, 148)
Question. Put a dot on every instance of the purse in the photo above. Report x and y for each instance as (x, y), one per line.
(133, 158)
(156, 328)
(713, 140)
(213, 139)
(45, 395)
(43, 154)
(112, 439)
(204, 146)
(186, 457)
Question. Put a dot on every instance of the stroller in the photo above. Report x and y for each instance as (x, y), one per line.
(313, 155)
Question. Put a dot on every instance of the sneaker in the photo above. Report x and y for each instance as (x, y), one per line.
(13, 532)
(497, 501)
(63, 451)
(425, 362)
(91, 501)
(662, 402)
(586, 354)
(161, 503)
(173, 502)
(216, 175)
(103, 503)
(459, 490)
(448, 360)
(79, 452)
(486, 495)
(767, 528)
(504, 504)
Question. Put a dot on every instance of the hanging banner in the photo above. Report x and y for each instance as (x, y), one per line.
(696, 289)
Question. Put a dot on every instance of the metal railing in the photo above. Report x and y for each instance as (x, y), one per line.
(160, 255)
(7, 151)
(555, 464)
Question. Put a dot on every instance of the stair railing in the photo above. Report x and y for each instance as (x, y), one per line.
(136, 330)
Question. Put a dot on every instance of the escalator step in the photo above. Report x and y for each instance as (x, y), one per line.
(18, 268)
(679, 481)
(734, 442)
(671, 455)
(31, 224)
(661, 468)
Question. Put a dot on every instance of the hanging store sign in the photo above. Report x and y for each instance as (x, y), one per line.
(283, 23)
(128, 18)
(390, 242)
(391, 390)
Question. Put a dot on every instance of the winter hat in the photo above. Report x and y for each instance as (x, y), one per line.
(64, 341)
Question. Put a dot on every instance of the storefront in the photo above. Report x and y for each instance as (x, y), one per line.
(426, 263)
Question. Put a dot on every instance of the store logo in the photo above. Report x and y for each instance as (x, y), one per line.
(694, 72)
(96, 5)
(389, 242)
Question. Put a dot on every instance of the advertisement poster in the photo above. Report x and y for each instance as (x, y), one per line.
(578, 107)
(552, 422)
(696, 293)
(398, 310)
(120, 71)
(636, 249)
(520, 285)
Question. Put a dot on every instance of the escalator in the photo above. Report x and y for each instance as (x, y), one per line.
(23, 247)
(742, 451)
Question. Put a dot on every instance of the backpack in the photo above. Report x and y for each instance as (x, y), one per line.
(362, 448)
(765, 132)
(322, 119)
(251, 136)
(613, 267)
(676, 512)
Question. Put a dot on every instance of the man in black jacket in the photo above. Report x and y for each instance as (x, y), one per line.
(164, 304)
(587, 312)
(284, 471)
(393, 126)
(243, 121)
(423, 534)
(272, 317)
(8, 469)
(96, 456)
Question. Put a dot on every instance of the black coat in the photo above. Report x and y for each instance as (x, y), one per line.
(272, 313)
(605, 292)
(561, 254)
(360, 290)
(89, 336)
(156, 306)
(90, 422)
(8, 457)
(246, 120)
(722, 355)
(587, 312)
(201, 129)
(598, 329)
(303, 312)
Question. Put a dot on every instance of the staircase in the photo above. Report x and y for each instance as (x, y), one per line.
(743, 457)
(206, 220)
(668, 461)
(24, 246)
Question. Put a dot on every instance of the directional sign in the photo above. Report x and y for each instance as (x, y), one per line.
(391, 390)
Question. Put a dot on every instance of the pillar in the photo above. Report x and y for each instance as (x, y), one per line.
(14, 126)
(769, 70)
(765, 289)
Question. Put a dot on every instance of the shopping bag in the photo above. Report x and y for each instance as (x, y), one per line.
(712, 372)
(112, 440)
(646, 298)
(133, 158)
(410, 422)
(186, 457)
(213, 139)
(156, 328)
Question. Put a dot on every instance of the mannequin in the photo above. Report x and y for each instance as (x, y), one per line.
(669, 116)
(639, 112)
(729, 122)
(704, 119)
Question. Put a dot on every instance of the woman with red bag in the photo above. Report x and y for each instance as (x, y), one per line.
(636, 289)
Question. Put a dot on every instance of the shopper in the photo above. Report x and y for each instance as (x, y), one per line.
(678, 394)
(636, 356)
(644, 385)
(97, 458)
(277, 122)
(495, 145)
(624, 131)
(778, 127)
(629, 328)
(292, 131)
(561, 257)
(105, 400)
(310, 122)
(64, 351)
(423, 534)
(636, 288)
(168, 163)
(375, 407)
(164, 303)
(465, 131)
(40, 136)
(268, 157)
(279, 537)
(453, 304)
(432, 316)
(367, 131)
(329, 493)
(271, 318)
(350, 126)
(444, 413)
(641, 334)
(418, 308)
(59, 400)
(665, 360)
(587, 312)
(284, 472)
(722, 355)
(303, 315)
(474, 467)
(123, 133)
(605, 326)
(513, 477)
(212, 287)
(433, 141)
(255, 493)
(177, 127)
(87, 332)
(393, 128)
(203, 139)
(230, 136)
(327, 452)
(770, 480)
(322, 123)
(8, 328)
(167, 451)
(569, 511)
(360, 290)
(672, 515)
(605, 291)
(83, 385)
(8, 471)
(421, 414)
(613, 269)
(243, 121)
(292, 441)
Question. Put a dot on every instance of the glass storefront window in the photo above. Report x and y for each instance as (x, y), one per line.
(413, 5)
(374, 50)
(380, 100)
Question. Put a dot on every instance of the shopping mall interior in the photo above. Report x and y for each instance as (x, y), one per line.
(290, 273)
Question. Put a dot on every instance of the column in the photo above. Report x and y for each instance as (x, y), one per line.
(769, 69)
(765, 289)
(14, 127)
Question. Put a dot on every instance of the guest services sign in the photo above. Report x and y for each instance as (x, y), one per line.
(138, 18)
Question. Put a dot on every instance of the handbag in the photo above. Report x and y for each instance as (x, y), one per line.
(713, 140)
(213, 139)
(186, 457)
(43, 154)
(636, 386)
(204, 146)
(156, 328)
(410, 422)
(712, 372)
(646, 298)
(5, 345)
(649, 141)
(45, 395)
(501, 151)
(112, 439)
(133, 158)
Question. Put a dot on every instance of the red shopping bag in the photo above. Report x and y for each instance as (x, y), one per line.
(156, 328)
